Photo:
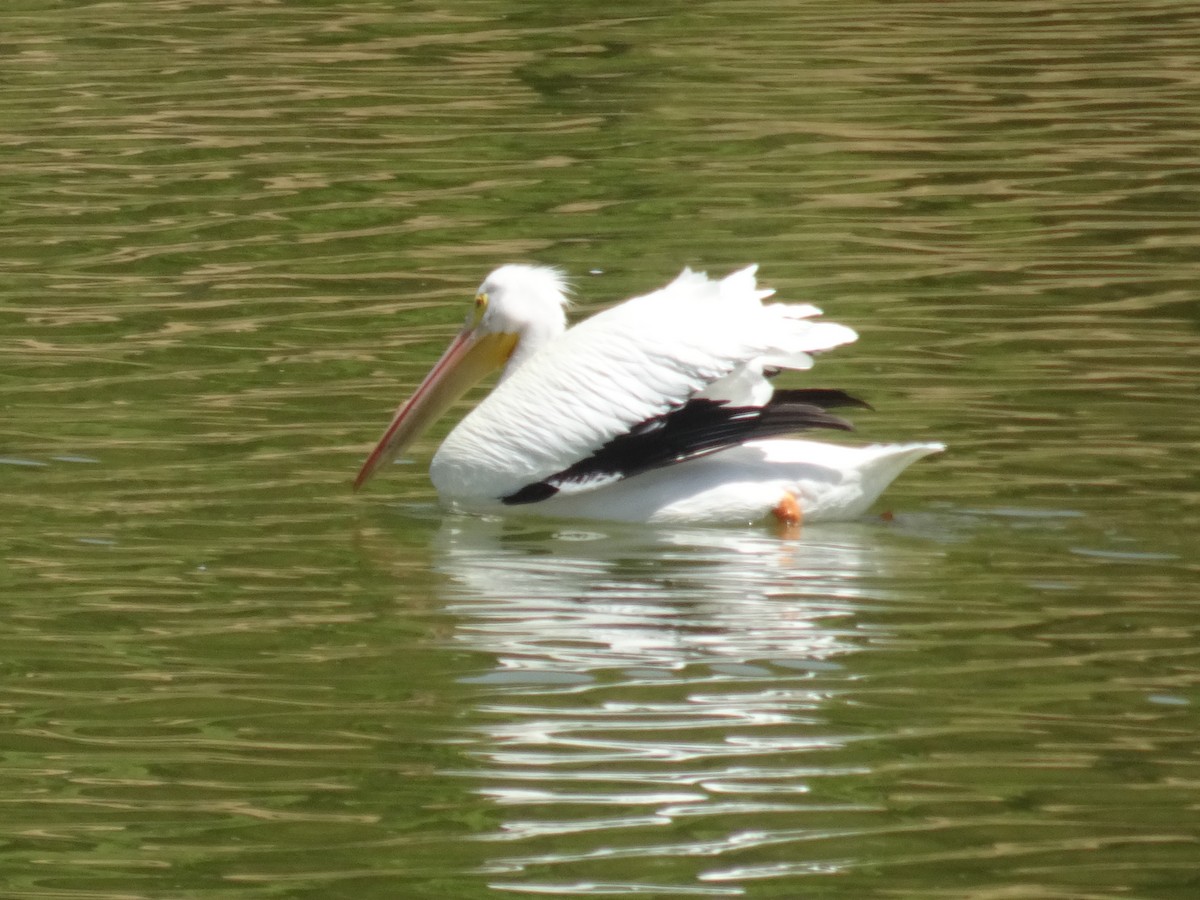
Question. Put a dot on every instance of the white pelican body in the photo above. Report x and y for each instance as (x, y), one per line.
(659, 409)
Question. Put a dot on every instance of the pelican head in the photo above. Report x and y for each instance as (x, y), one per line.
(517, 309)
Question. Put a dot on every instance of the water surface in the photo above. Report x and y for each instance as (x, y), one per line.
(237, 234)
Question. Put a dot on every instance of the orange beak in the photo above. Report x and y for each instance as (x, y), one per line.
(469, 358)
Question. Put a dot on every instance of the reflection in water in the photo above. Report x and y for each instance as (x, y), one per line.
(653, 681)
(584, 601)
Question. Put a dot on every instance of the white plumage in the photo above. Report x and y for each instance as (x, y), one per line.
(668, 374)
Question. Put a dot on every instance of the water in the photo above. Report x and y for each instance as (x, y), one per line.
(235, 235)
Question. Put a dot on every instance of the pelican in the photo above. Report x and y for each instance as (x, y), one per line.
(659, 409)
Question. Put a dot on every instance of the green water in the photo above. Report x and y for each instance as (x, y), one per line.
(236, 234)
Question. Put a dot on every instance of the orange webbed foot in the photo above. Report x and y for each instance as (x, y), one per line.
(788, 514)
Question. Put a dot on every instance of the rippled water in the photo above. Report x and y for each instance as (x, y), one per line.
(236, 234)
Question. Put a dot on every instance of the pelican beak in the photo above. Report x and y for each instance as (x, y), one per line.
(469, 358)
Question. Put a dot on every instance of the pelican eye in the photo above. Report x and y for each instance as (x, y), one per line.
(481, 303)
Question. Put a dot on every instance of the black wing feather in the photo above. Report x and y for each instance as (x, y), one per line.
(697, 428)
(826, 398)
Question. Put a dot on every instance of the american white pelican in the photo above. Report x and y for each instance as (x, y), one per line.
(659, 409)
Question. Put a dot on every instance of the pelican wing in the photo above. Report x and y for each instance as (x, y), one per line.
(610, 377)
(696, 429)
